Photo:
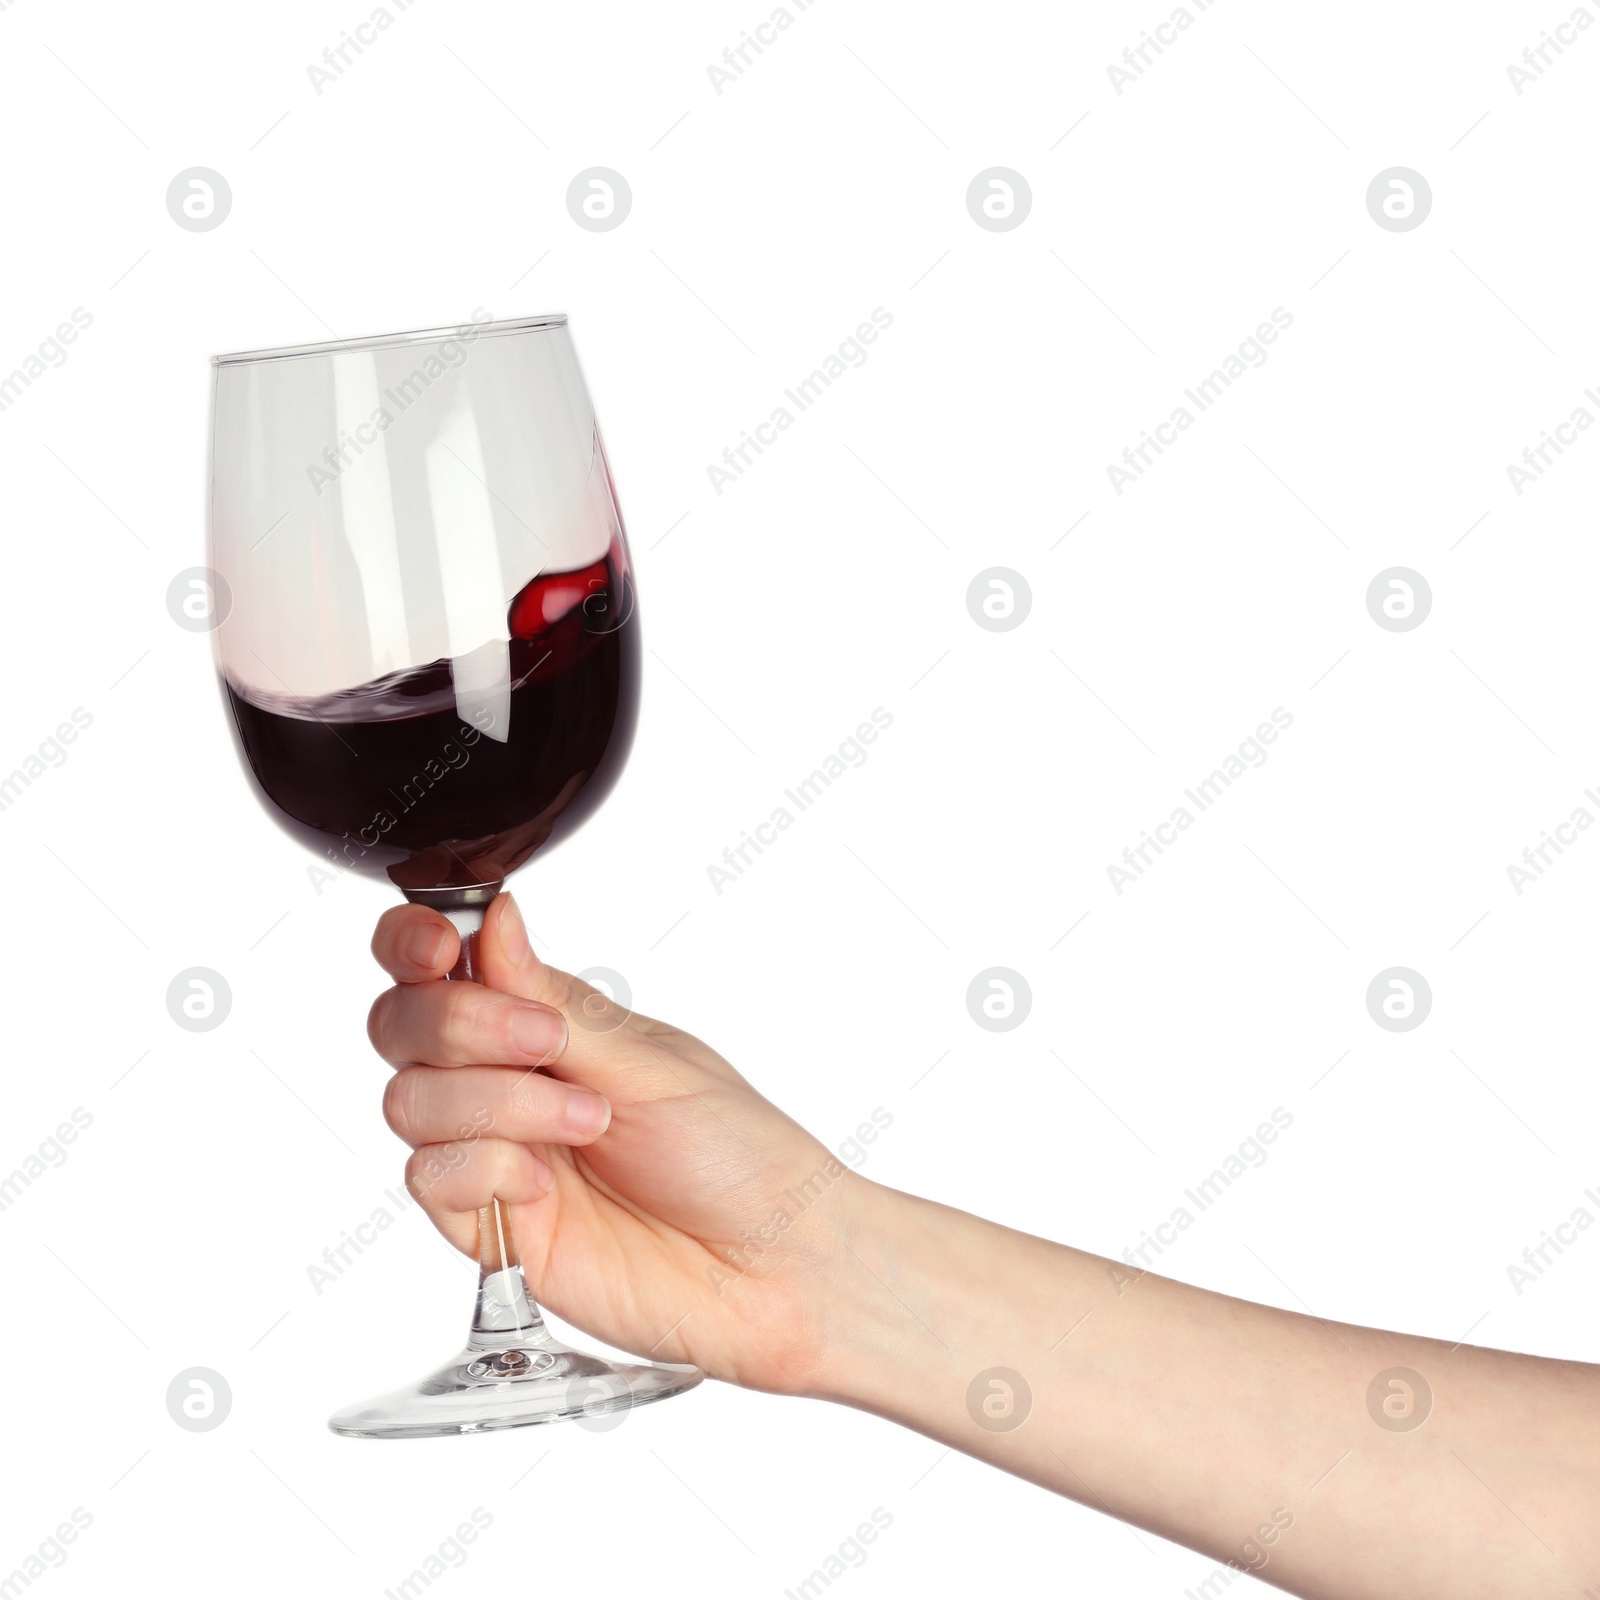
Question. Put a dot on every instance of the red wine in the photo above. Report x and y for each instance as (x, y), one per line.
(391, 778)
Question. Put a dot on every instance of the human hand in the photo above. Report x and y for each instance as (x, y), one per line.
(691, 1220)
(658, 1202)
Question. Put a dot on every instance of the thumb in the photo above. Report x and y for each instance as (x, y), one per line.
(506, 961)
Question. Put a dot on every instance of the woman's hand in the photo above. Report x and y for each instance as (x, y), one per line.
(658, 1202)
(699, 1223)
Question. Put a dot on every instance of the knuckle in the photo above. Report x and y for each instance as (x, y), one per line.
(561, 989)
(420, 1174)
(507, 1160)
(426, 1171)
(400, 1103)
(524, 1106)
(481, 1028)
(466, 1016)
(378, 1021)
(451, 1176)
(496, 1163)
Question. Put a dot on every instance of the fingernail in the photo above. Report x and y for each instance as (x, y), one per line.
(537, 1031)
(423, 946)
(543, 1176)
(514, 932)
(588, 1114)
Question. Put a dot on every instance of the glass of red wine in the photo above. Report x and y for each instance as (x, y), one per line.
(430, 656)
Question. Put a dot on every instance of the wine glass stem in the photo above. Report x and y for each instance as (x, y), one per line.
(505, 1312)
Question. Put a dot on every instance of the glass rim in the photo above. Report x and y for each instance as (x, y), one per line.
(385, 341)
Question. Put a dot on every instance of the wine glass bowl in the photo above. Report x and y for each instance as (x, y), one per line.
(431, 665)
(431, 658)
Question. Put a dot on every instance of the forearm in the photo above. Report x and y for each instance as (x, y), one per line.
(1242, 1431)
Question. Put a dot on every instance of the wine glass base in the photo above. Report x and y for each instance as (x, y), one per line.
(537, 1380)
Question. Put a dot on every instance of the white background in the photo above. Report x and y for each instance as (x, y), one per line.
(767, 222)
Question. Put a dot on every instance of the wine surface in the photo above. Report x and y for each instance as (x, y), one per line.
(390, 779)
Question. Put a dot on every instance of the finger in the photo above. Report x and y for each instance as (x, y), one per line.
(413, 944)
(506, 955)
(607, 1048)
(428, 1105)
(508, 962)
(463, 1024)
(451, 1181)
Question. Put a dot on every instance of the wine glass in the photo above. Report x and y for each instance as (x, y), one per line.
(429, 653)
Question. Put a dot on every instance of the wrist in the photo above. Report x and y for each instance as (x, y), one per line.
(932, 1312)
(804, 1320)
(896, 1271)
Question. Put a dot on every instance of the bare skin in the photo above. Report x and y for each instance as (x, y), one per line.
(664, 1206)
